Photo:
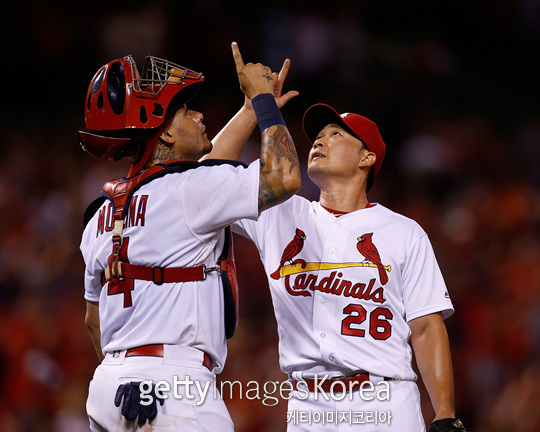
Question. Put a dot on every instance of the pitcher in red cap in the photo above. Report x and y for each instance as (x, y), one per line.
(355, 294)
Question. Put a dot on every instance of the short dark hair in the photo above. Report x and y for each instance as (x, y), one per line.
(371, 174)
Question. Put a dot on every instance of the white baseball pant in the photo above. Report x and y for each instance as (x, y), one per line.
(188, 407)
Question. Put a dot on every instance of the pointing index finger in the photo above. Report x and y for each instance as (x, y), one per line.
(237, 56)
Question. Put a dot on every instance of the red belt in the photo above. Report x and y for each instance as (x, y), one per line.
(349, 383)
(157, 351)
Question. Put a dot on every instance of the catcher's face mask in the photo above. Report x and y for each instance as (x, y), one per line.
(123, 106)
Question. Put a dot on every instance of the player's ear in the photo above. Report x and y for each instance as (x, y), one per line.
(166, 136)
(367, 159)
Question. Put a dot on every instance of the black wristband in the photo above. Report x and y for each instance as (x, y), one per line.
(267, 111)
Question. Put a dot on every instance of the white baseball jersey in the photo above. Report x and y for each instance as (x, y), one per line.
(173, 221)
(344, 288)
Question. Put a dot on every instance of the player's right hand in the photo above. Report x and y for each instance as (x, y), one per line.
(254, 79)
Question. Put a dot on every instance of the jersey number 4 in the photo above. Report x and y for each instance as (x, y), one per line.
(379, 322)
(124, 286)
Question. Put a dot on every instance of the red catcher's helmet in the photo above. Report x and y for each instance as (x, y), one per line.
(124, 108)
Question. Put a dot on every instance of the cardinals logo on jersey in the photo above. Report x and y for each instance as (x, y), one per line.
(367, 248)
(293, 248)
(301, 277)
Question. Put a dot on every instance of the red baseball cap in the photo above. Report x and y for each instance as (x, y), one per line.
(319, 115)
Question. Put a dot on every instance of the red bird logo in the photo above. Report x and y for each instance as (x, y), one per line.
(292, 249)
(366, 247)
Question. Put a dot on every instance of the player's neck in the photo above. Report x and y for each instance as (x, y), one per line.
(343, 200)
(341, 191)
(161, 154)
(164, 154)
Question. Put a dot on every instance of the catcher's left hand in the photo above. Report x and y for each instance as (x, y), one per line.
(447, 425)
(132, 407)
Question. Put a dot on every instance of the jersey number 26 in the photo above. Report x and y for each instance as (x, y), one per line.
(379, 325)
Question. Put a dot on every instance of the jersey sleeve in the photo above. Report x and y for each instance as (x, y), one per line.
(424, 289)
(214, 197)
(95, 255)
(92, 287)
(257, 230)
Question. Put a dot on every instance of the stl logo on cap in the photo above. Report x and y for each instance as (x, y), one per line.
(344, 115)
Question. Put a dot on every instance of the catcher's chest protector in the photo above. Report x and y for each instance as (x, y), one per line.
(120, 191)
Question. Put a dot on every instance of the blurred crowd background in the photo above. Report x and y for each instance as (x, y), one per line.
(454, 89)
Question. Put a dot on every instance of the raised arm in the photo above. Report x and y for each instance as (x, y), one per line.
(280, 172)
(230, 141)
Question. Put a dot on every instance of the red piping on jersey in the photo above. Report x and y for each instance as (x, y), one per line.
(338, 213)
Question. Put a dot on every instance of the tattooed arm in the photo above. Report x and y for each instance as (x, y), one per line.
(280, 172)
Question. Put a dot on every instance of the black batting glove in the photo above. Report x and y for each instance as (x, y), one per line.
(132, 407)
(447, 425)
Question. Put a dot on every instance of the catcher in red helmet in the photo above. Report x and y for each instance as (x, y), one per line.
(159, 276)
